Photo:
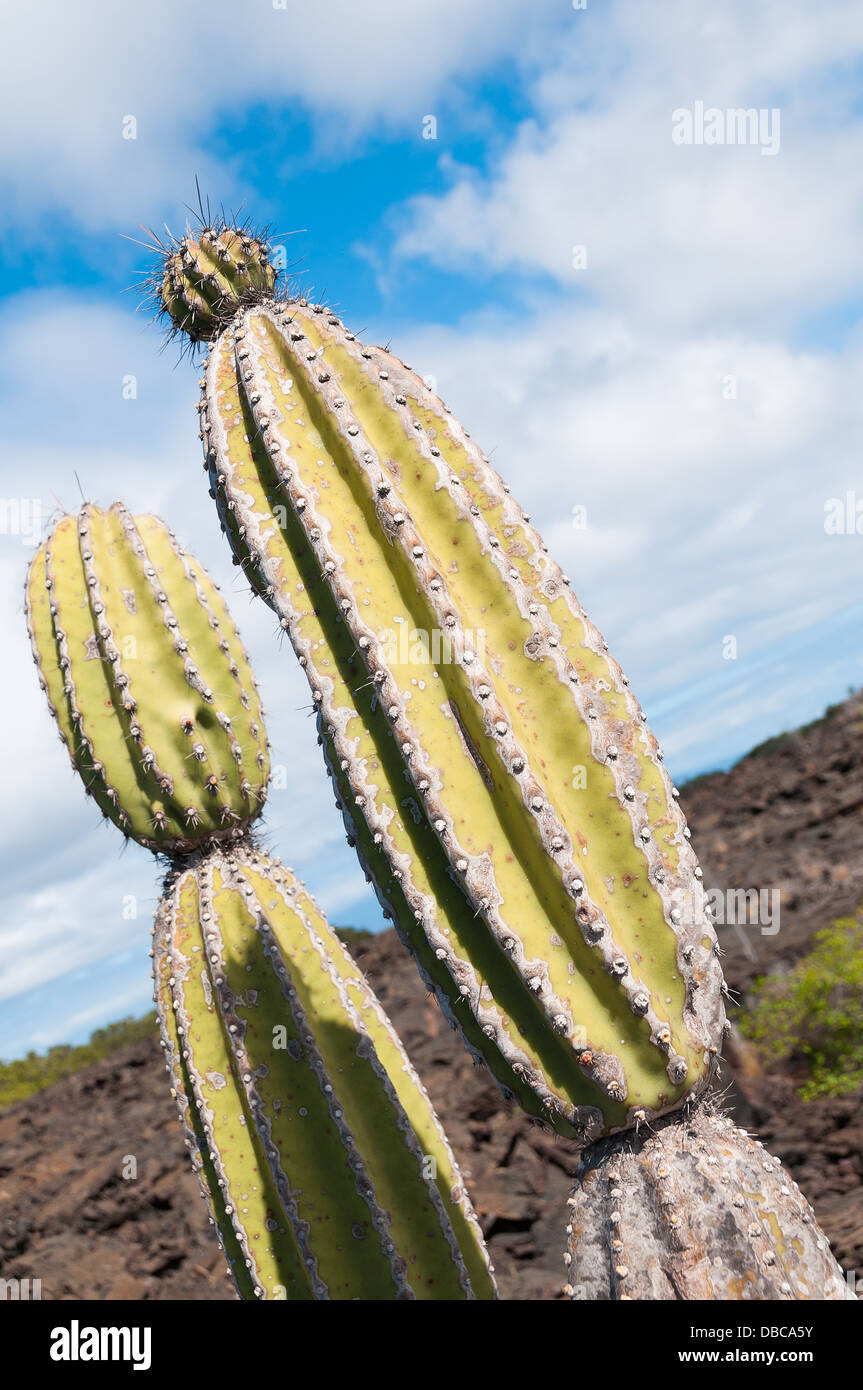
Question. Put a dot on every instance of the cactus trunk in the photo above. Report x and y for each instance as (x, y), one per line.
(695, 1209)
(504, 794)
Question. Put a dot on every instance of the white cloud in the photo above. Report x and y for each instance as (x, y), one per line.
(71, 74)
(60, 924)
(695, 386)
(705, 515)
(686, 235)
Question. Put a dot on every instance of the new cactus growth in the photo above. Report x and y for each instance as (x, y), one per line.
(495, 771)
(205, 277)
(147, 680)
(325, 1167)
(327, 1172)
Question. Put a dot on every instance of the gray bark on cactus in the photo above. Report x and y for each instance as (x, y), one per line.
(694, 1208)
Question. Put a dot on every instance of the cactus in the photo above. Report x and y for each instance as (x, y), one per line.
(694, 1209)
(547, 915)
(147, 680)
(325, 1167)
(326, 1170)
(500, 785)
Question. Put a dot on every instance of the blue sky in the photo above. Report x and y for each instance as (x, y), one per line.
(690, 379)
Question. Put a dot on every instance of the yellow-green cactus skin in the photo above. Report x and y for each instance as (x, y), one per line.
(495, 773)
(325, 1168)
(147, 679)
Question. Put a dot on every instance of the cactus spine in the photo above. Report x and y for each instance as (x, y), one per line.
(324, 1165)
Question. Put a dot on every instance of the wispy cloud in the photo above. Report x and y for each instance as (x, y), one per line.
(674, 235)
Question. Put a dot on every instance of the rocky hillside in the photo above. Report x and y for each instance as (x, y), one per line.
(788, 818)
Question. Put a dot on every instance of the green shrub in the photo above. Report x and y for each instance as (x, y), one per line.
(814, 1014)
(28, 1075)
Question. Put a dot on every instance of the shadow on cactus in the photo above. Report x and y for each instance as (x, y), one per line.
(813, 1015)
(324, 1165)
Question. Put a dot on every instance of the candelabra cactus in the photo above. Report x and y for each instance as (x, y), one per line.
(324, 1165)
(495, 774)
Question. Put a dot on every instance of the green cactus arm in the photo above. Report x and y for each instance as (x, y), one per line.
(424, 1135)
(434, 718)
(275, 1259)
(574, 891)
(317, 1144)
(151, 689)
(358, 737)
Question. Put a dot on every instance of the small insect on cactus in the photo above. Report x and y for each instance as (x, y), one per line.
(147, 680)
(325, 1167)
(494, 771)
